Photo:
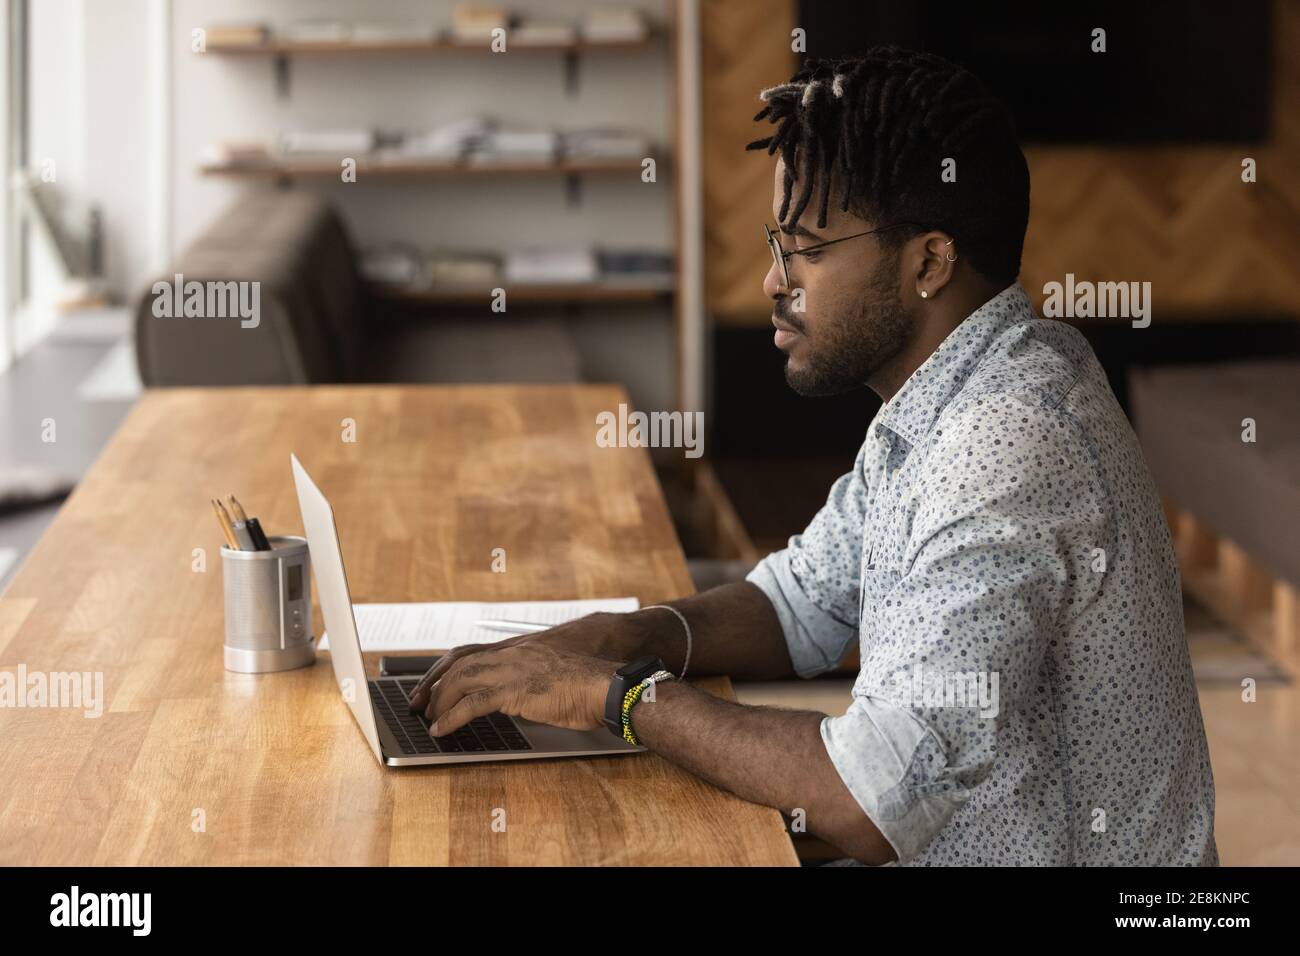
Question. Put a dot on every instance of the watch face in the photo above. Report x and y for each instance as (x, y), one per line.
(640, 667)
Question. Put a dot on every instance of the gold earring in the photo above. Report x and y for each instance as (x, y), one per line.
(949, 256)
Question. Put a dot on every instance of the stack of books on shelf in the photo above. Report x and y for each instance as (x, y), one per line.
(315, 31)
(448, 143)
(610, 24)
(551, 266)
(380, 32)
(529, 32)
(397, 265)
(455, 271)
(403, 268)
(505, 146)
(327, 142)
(478, 140)
(250, 153)
(473, 23)
(238, 34)
(604, 143)
(640, 268)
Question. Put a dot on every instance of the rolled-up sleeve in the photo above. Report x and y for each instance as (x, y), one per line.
(1003, 535)
(813, 582)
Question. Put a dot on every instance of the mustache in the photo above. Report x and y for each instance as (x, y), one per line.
(781, 310)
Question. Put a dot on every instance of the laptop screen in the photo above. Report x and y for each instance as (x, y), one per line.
(335, 602)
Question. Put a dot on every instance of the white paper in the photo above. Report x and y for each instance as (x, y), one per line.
(441, 626)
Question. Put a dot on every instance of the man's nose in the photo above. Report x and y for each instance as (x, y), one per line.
(772, 282)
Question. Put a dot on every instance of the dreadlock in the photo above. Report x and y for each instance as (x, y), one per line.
(880, 126)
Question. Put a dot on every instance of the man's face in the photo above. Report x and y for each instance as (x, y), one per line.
(853, 319)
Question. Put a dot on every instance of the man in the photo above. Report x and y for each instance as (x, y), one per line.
(998, 554)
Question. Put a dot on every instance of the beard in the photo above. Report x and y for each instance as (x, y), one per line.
(848, 349)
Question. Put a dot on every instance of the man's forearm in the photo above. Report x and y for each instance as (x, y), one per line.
(736, 632)
(762, 754)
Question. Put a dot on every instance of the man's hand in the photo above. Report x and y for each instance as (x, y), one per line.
(617, 637)
(529, 680)
(737, 632)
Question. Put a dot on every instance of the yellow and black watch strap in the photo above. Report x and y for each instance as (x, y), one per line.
(635, 694)
(626, 678)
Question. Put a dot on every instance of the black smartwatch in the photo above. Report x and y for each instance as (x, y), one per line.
(625, 678)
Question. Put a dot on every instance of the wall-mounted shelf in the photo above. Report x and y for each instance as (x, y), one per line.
(548, 294)
(658, 50)
(283, 50)
(285, 171)
(292, 48)
(288, 169)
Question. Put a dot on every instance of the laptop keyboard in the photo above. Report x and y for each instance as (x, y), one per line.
(494, 733)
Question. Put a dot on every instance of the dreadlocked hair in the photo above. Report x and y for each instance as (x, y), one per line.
(875, 131)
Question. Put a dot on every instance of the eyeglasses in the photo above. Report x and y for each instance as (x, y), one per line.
(780, 256)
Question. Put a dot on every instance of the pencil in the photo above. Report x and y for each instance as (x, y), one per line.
(243, 542)
(251, 525)
(224, 521)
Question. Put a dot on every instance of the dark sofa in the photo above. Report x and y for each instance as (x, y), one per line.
(312, 302)
(318, 322)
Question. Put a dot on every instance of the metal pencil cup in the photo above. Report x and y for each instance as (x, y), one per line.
(268, 607)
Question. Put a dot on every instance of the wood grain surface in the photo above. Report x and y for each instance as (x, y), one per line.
(191, 764)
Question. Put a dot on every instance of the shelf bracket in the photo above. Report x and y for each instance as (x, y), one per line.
(571, 72)
(573, 190)
(281, 68)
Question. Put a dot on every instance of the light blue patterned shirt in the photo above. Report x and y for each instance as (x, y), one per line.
(1000, 556)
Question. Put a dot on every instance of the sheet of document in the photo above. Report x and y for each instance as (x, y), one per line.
(443, 625)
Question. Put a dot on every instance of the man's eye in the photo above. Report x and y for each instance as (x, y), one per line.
(811, 256)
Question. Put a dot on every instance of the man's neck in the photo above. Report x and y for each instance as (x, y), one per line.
(938, 320)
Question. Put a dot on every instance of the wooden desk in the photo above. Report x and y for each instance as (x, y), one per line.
(272, 765)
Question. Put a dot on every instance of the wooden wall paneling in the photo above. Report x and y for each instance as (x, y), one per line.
(1177, 216)
(745, 47)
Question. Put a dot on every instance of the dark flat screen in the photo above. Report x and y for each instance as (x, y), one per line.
(1172, 71)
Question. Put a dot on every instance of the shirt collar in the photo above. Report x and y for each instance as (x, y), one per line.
(912, 412)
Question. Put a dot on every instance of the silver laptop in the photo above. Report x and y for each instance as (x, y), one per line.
(398, 737)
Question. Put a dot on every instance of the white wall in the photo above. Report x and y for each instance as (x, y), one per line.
(126, 80)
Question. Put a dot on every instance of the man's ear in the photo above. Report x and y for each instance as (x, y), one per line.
(935, 259)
